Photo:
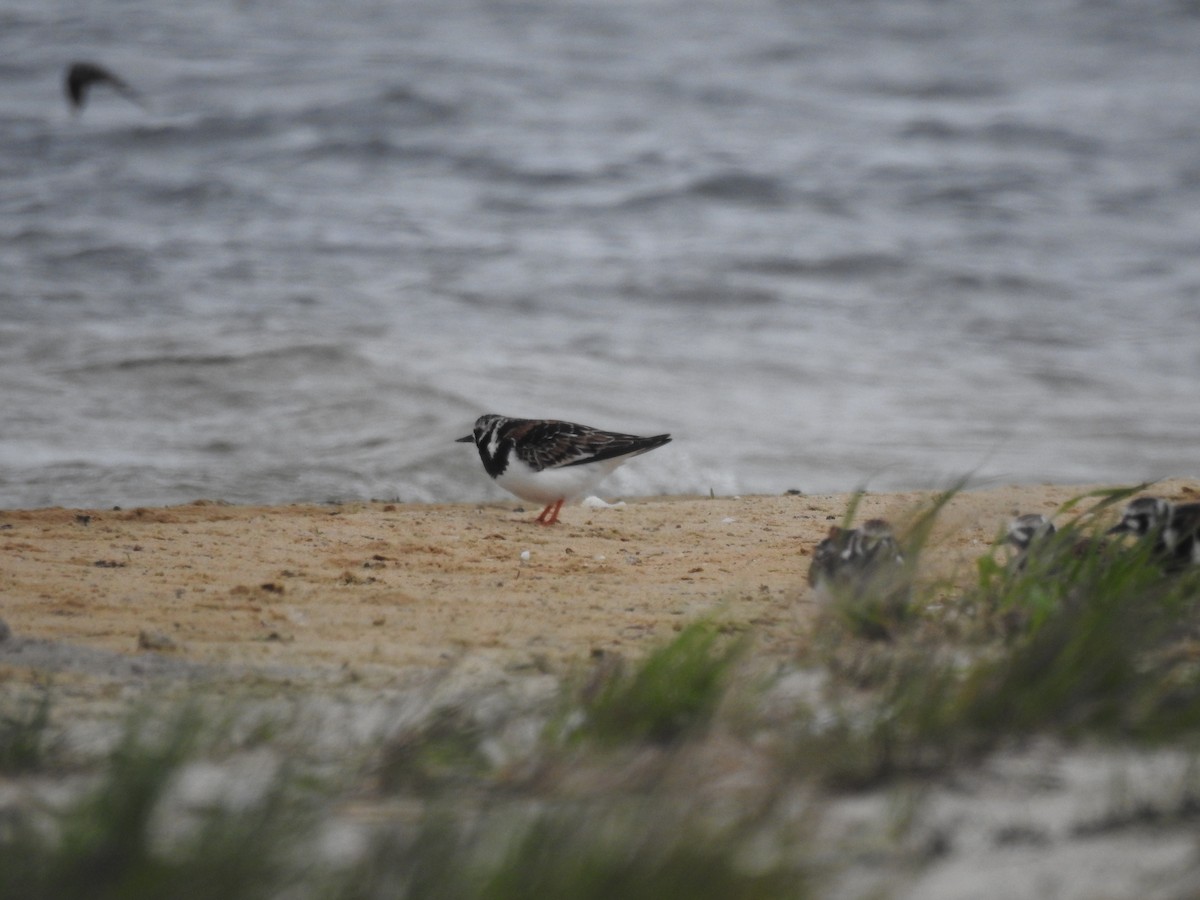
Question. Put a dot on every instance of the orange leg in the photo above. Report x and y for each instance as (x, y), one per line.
(553, 516)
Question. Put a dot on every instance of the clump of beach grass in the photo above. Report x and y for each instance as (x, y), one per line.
(108, 842)
(435, 754)
(1098, 638)
(595, 849)
(1104, 649)
(1084, 638)
(26, 743)
(672, 693)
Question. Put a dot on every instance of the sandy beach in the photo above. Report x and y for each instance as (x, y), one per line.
(378, 587)
(354, 627)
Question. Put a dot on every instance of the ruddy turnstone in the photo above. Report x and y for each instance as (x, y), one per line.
(1174, 528)
(827, 558)
(856, 561)
(1027, 531)
(1027, 528)
(551, 462)
(82, 75)
(1036, 537)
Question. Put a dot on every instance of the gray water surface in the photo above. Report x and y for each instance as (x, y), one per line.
(822, 243)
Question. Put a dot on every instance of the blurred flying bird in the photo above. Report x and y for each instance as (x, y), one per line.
(82, 75)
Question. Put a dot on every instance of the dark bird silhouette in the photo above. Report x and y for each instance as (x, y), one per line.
(82, 75)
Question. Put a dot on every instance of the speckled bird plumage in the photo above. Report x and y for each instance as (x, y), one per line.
(549, 461)
(1025, 529)
(1028, 532)
(855, 559)
(1173, 529)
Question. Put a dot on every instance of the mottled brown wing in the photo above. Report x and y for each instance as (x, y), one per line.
(550, 444)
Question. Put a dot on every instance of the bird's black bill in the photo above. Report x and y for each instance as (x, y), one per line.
(469, 439)
(1121, 528)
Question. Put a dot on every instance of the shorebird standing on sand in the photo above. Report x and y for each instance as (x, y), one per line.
(551, 462)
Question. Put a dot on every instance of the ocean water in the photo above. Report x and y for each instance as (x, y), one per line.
(825, 244)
